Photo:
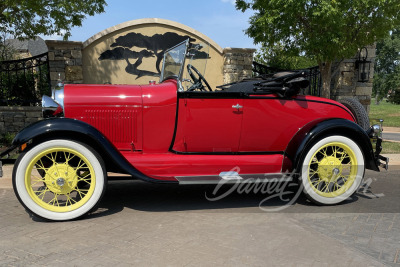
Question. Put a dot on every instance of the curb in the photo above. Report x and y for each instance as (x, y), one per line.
(391, 129)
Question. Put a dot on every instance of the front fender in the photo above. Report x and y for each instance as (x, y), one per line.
(82, 132)
(313, 132)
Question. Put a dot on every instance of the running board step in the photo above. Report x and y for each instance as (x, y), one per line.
(234, 177)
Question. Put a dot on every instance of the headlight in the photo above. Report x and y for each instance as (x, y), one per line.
(54, 106)
(50, 108)
(375, 131)
(58, 95)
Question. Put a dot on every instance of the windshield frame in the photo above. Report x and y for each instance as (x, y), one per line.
(180, 74)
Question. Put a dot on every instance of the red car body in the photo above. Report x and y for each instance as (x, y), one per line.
(166, 136)
(245, 132)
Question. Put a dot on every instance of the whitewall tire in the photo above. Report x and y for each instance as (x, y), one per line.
(332, 170)
(59, 179)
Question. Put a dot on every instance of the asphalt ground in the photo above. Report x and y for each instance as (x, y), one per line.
(146, 224)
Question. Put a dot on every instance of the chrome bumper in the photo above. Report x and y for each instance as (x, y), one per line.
(382, 161)
(375, 133)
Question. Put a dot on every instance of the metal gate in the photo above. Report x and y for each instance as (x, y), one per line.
(24, 81)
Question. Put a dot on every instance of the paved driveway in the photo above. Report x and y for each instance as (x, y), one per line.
(164, 225)
(391, 136)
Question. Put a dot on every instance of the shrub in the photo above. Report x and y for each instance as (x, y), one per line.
(6, 139)
(395, 97)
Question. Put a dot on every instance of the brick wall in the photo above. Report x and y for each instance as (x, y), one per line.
(14, 119)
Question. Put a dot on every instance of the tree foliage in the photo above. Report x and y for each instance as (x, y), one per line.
(277, 57)
(324, 30)
(28, 18)
(387, 65)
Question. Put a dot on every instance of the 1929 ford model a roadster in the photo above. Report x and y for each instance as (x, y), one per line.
(243, 132)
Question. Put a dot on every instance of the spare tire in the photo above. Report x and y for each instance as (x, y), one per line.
(358, 111)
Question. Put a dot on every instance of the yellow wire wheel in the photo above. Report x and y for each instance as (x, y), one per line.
(332, 170)
(59, 179)
(62, 170)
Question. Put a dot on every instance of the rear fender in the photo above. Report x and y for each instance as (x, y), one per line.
(316, 130)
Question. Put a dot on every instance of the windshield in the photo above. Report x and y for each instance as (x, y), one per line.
(197, 55)
(174, 60)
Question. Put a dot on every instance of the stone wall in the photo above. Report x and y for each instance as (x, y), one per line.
(65, 60)
(238, 64)
(345, 83)
(14, 119)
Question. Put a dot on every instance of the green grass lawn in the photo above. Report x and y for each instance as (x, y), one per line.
(390, 147)
(387, 111)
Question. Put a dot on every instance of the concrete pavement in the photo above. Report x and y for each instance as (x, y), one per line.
(161, 225)
(392, 137)
(391, 134)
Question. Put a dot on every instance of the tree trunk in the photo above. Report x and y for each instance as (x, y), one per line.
(326, 74)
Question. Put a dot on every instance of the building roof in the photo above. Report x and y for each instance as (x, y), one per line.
(35, 46)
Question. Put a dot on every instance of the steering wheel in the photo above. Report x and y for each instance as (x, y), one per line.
(197, 82)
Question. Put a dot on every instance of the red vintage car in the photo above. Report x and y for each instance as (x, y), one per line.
(250, 131)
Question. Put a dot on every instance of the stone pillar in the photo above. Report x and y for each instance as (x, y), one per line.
(238, 64)
(345, 83)
(14, 119)
(65, 58)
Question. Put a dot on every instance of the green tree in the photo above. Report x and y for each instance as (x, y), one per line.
(325, 30)
(277, 57)
(28, 18)
(387, 65)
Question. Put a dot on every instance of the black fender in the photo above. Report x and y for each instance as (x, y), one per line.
(316, 130)
(82, 132)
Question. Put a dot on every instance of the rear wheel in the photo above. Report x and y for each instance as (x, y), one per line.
(59, 179)
(332, 170)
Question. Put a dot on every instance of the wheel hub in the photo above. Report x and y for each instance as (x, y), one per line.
(329, 168)
(60, 182)
(61, 178)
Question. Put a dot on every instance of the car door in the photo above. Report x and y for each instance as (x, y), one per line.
(208, 122)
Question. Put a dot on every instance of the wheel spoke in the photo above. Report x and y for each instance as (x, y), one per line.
(81, 166)
(67, 159)
(35, 183)
(80, 193)
(334, 151)
(52, 200)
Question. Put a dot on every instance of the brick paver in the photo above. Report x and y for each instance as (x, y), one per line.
(164, 225)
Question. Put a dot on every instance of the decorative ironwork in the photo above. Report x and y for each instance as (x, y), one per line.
(313, 75)
(22, 82)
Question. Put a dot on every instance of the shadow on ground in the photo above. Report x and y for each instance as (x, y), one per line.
(378, 195)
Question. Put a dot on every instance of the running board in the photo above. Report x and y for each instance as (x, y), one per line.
(234, 177)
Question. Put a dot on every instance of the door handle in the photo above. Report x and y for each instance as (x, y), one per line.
(237, 106)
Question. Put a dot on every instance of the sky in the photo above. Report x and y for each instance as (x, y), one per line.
(217, 19)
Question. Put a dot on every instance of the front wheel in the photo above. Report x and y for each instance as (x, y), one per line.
(332, 170)
(47, 179)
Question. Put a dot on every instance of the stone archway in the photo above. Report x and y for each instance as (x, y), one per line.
(131, 52)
